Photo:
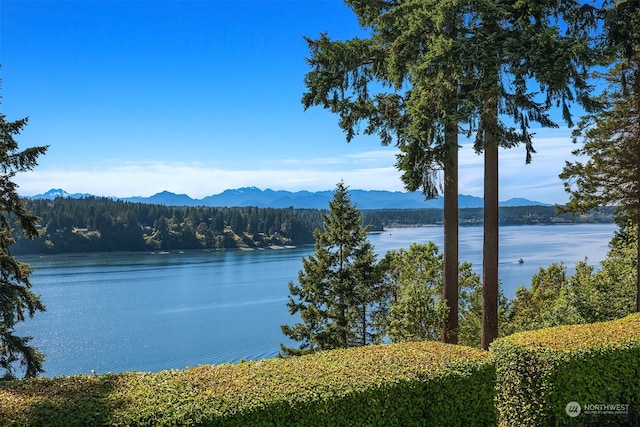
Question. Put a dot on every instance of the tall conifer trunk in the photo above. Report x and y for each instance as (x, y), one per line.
(450, 274)
(491, 224)
(636, 92)
(364, 324)
(638, 235)
(638, 267)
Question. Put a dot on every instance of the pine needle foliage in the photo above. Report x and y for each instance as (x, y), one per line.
(610, 136)
(16, 299)
(338, 289)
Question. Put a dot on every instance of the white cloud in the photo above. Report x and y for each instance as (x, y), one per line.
(377, 156)
(536, 181)
(369, 170)
(198, 181)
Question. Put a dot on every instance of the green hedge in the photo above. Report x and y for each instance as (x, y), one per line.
(404, 384)
(581, 375)
(537, 378)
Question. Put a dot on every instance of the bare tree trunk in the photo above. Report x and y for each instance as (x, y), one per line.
(490, 242)
(636, 91)
(638, 273)
(450, 274)
(638, 262)
(364, 324)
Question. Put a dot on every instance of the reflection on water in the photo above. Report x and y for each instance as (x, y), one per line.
(149, 312)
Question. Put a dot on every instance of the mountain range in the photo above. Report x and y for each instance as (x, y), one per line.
(252, 196)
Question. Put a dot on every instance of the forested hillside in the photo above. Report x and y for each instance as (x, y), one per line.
(100, 224)
(95, 224)
(509, 215)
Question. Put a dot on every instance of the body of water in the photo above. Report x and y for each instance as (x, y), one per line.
(119, 312)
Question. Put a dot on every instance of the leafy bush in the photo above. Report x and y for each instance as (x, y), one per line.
(403, 384)
(539, 373)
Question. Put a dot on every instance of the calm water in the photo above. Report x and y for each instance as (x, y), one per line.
(149, 312)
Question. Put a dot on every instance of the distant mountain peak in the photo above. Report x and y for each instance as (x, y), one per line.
(519, 201)
(58, 192)
(252, 190)
(169, 193)
(253, 196)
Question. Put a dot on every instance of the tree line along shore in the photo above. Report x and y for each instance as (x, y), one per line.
(99, 224)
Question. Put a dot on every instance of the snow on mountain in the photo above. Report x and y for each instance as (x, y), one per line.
(253, 196)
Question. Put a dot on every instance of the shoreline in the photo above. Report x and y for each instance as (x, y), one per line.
(159, 252)
(25, 256)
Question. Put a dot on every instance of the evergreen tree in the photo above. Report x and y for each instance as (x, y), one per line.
(520, 50)
(407, 82)
(337, 286)
(16, 298)
(611, 136)
(430, 67)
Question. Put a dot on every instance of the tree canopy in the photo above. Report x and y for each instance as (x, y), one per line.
(430, 70)
(98, 224)
(589, 295)
(338, 287)
(403, 83)
(610, 136)
(16, 298)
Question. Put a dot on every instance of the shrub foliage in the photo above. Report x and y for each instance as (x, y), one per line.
(527, 379)
(540, 372)
(404, 384)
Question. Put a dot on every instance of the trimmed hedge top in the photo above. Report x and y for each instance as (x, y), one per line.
(324, 375)
(545, 377)
(183, 397)
(579, 337)
(536, 374)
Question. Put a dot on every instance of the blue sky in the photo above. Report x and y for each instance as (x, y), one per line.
(136, 97)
